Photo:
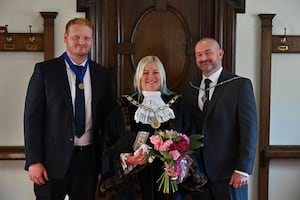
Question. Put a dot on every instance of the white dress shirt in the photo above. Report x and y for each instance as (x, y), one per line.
(86, 138)
(214, 80)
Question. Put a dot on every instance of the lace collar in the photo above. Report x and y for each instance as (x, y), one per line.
(153, 110)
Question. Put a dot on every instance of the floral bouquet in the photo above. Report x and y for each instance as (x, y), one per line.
(173, 149)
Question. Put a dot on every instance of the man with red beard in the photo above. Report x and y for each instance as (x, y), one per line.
(65, 110)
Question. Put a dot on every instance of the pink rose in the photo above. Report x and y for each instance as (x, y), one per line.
(166, 145)
(182, 145)
(156, 141)
(175, 154)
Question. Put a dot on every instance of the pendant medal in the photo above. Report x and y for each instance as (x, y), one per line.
(155, 124)
(81, 86)
(203, 98)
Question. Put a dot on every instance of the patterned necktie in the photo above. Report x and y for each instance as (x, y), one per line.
(79, 106)
(207, 82)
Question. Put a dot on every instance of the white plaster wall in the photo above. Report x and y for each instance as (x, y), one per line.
(16, 69)
(284, 115)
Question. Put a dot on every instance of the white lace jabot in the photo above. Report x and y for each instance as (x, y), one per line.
(153, 107)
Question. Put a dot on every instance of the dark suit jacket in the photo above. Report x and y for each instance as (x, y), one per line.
(229, 127)
(49, 120)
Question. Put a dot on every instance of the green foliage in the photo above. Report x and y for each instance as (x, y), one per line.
(195, 141)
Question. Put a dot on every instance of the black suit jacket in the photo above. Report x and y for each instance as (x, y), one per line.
(49, 120)
(229, 126)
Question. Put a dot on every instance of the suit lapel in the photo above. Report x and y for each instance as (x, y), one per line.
(62, 79)
(195, 93)
(218, 91)
(94, 85)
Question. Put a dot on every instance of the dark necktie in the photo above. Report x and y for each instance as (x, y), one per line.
(207, 82)
(79, 106)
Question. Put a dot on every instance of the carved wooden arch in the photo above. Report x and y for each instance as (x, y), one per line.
(156, 46)
(216, 18)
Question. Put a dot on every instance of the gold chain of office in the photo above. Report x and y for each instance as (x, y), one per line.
(216, 85)
(155, 123)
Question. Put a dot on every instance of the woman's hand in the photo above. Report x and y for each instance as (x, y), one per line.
(138, 158)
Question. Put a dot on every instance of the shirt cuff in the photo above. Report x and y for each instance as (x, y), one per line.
(242, 173)
(126, 168)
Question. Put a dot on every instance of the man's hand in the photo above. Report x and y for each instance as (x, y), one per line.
(238, 180)
(38, 173)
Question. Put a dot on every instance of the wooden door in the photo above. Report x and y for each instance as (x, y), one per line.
(127, 30)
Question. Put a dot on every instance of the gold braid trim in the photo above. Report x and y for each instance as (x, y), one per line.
(126, 116)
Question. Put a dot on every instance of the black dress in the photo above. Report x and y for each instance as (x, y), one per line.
(141, 183)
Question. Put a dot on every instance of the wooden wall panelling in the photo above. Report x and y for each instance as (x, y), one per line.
(282, 152)
(21, 42)
(125, 33)
(269, 45)
(12, 153)
(90, 9)
(265, 87)
(113, 48)
(292, 44)
(43, 42)
(48, 34)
